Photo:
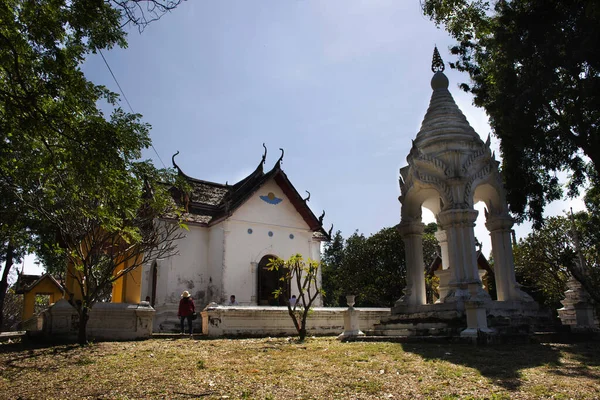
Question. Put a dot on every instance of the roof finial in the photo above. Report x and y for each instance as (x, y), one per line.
(281, 158)
(174, 164)
(308, 197)
(321, 218)
(264, 157)
(437, 64)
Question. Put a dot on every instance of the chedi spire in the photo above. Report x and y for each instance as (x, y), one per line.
(437, 64)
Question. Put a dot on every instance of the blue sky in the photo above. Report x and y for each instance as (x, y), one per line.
(342, 86)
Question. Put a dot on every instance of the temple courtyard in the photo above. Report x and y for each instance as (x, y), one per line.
(281, 368)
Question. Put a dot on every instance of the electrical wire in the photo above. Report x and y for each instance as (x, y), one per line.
(127, 101)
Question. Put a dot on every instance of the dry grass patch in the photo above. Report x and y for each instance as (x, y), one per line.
(280, 368)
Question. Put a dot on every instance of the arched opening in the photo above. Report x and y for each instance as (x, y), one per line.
(486, 199)
(268, 282)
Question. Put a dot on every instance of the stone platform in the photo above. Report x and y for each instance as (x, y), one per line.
(275, 321)
(506, 321)
(108, 321)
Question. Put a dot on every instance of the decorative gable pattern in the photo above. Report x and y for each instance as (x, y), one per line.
(209, 203)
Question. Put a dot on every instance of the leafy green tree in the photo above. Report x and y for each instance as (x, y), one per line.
(535, 69)
(372, 268)
(331, 261)
(62, 161)
(303, 275)
(547, 256)
(541, 261)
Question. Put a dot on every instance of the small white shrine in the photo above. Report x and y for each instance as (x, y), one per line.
(234, 230)
(449, 170)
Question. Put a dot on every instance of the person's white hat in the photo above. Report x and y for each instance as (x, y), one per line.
(185, 294)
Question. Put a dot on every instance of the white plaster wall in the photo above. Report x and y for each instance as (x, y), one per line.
(186, 271)
(275, 321)
(216, 248)
(243, 250)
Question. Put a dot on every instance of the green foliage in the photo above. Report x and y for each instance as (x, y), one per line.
(546, 257)
(372, 268)
(535, 69)
(69, 173)
(541, 261)
(304, 277)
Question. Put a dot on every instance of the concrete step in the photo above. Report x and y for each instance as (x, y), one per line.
(407, 339)
(427, 325)
(412, 332)
(172, 336)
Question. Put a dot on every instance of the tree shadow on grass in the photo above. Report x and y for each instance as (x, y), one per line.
(500, 364)
(580, 359)
(17, 357)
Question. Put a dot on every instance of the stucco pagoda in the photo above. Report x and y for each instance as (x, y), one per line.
(449, 170)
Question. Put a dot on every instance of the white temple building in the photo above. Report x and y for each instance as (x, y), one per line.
(234, 230)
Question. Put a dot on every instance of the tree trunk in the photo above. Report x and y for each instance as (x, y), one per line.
(302, 330)
(10, 253)
(83, 320)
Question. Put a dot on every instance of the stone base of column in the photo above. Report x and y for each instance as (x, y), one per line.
(462, 291)
(351, 326)
(476, 319)
(519, 295)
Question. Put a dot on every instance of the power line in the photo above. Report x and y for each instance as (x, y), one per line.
(127, 101)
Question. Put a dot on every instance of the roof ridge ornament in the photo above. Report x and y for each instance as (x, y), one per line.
(264, 157)
(281, 158)
(308, 197)
(321, 218)
(437, 64)
(174, 163)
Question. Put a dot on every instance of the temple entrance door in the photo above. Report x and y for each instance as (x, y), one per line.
(268, 282)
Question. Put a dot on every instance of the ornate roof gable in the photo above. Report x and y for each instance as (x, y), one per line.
(209, 203)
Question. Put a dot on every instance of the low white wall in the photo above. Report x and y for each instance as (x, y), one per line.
(275, 321)
(108, 321)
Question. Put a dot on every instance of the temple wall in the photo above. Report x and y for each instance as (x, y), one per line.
(275, 321)
(186, 271)
(216, 248)
(276, 229)
(216, 262)
(108, 321)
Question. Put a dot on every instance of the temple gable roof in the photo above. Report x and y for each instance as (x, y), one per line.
(25, 283)
(209, 203)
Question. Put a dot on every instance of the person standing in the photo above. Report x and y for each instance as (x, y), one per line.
(186, 311)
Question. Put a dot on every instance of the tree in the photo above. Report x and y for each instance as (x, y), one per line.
(304, 276)
(331, 261)
(60, 156)
(541, 261)
(12, 307)
(547, 256)
(535, 69)
(372, 268)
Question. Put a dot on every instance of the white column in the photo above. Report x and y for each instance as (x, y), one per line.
(507, 287)
(462, 261)
(412, 235)
(445, 275)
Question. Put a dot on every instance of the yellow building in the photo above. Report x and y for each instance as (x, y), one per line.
(126, 289)
(38, 292)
